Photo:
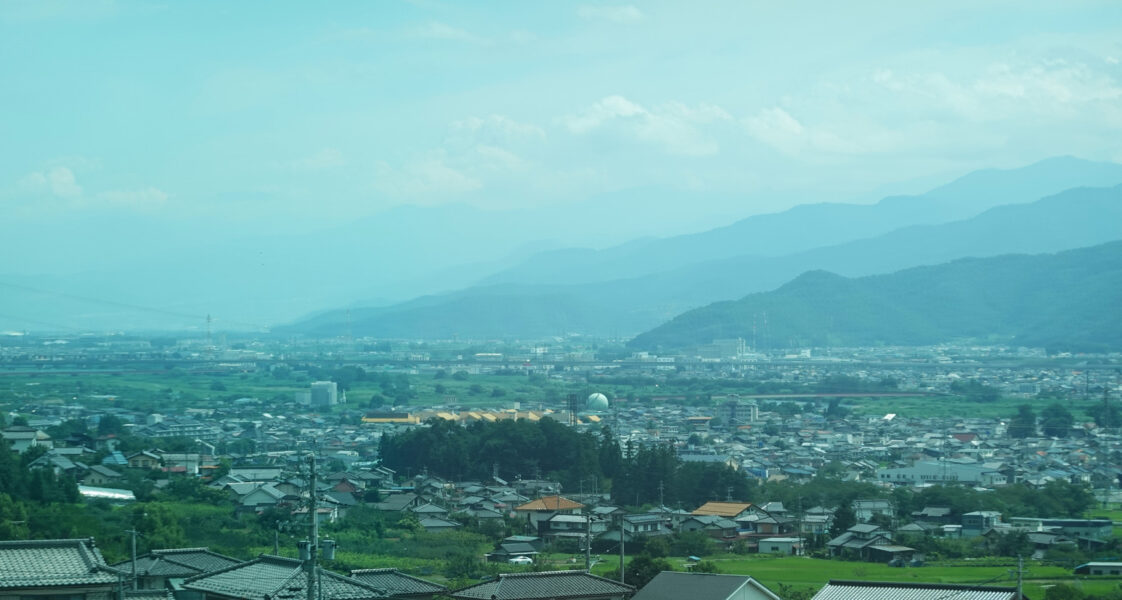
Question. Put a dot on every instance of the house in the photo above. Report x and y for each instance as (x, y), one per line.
(670, 585)
(715, 526)
(144, 460)
(555, 585)
(397, 584)
(865, 510)
(100, 475)
(429, 510)
(263, 496)
(72, 569)
(115, 459)
(944, 472)
(1081, 529)
(546, 507)
(978, 522)
(21, 437)
(398, 502)
(647, 524)
(1099, 568)
(864, 590)
(728, 510)
(572, 526)
(164, 569)
(432, 524)
(59, 464)
(780, 545)
(277, 578)
(857, 541)
(509, 550)
(935, 515)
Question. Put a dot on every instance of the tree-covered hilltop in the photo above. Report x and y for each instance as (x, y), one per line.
(1062, 301)
(635, 474)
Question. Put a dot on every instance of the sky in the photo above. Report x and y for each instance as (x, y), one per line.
(295, 114)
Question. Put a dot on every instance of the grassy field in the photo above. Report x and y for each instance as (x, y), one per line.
(810, 574)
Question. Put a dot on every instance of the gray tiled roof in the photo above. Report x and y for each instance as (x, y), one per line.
(51, 563)
(277, 578)
(872, 590)
(178, 562)
(549, 584)
(670, 585)
(148, 595)
(396, 583)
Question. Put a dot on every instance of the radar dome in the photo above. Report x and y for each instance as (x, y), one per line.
(596, 401)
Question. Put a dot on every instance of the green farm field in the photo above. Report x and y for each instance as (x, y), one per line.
(802, 574)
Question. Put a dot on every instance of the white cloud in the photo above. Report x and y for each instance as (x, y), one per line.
(1050, 89)
(422, 179)
(148, 197)
(612, 13)
(324, 159)
(476, 152)
(496, 128)
(55, 181)
(673, 127)
(495, 158)
(442, 31)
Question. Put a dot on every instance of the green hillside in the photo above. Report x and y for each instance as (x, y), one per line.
(1068, 300)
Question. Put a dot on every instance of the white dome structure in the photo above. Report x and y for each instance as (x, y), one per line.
(596, 401)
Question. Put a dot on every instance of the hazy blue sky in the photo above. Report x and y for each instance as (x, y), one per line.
(319, 110)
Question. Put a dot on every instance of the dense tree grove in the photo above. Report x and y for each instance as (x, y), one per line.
(635, 475)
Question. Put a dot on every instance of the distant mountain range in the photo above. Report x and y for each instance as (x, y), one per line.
(627, 306)
(439, 271)
(1064, 301)
(810, 226)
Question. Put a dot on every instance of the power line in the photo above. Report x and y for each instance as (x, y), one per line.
(118, 304)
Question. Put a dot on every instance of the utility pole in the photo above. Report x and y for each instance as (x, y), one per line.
(313, 541)
(133, 532)
(310, 548)
(621, 553)
(587, 540)
(1020, 576)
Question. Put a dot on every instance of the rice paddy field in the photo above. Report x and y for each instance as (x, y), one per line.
(802, 574)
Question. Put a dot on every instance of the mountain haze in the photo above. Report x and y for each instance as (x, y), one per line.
(1064, 301)
(623, 307)
(810, 226)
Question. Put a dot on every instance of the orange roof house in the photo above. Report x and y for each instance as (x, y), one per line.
(728, 510)
(550, 503)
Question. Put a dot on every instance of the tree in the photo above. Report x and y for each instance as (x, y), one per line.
(1023, 425)
(844, 518)
(657, 547)
(110, 425)
(1106, 415)
(1056, 421)
(705, 566)
(691, 543)
(1063, 591)
(643, 568)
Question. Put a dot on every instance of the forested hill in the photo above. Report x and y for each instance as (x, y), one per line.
(1069, 300)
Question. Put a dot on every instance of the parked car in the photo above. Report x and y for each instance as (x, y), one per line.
(520, 560)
